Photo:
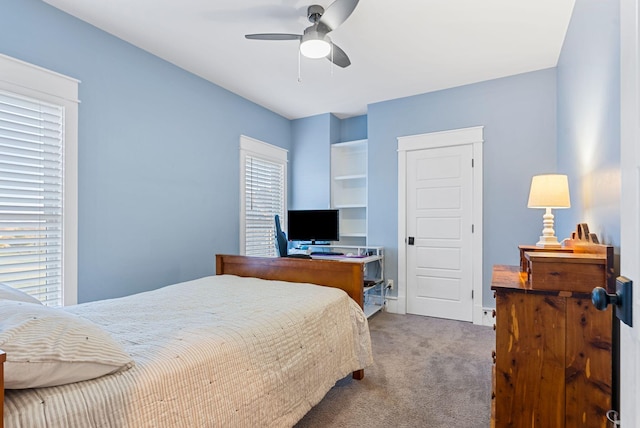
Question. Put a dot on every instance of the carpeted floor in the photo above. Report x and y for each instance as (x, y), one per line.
(427, 372)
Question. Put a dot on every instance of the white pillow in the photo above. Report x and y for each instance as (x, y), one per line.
(47, 346)
(9, 293)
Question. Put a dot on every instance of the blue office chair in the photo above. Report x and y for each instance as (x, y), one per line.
(282, 247)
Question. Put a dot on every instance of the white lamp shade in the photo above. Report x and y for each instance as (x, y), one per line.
(315, 44)
(549, 191)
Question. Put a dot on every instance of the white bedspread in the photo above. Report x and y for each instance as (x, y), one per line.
(218, 351)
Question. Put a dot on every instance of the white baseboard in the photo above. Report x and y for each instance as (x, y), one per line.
(392, 306)
(487, 317)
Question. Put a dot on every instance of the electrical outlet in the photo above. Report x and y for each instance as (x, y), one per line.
(390, 284)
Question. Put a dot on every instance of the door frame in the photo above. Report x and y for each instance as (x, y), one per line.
(456, 137)
(630, 205)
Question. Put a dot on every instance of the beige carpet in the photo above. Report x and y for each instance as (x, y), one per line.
(428, 372)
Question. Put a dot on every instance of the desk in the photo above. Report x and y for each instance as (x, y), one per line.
(348, 259)
(372, 261)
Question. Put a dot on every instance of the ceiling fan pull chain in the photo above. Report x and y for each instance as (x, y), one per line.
(299, 74)
(331, 60)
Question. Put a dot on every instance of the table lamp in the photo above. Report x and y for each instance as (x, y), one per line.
(549, 191)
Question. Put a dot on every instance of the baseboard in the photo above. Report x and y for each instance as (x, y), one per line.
(393, 306)
(487, 317)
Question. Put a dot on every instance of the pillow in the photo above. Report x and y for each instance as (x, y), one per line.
(47, 346)
(9, 293)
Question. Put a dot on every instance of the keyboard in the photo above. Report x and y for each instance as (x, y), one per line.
(326, 253)
(299, 256)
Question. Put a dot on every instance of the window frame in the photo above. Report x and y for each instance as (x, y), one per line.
(35, 82)
(259, 149)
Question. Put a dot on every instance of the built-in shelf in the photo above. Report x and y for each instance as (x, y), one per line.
(349, 189)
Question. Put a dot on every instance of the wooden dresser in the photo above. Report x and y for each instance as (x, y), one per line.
(553, 347)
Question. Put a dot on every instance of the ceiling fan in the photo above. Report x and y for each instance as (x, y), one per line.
(314, 42)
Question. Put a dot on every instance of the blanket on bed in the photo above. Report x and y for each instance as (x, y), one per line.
(218, 351)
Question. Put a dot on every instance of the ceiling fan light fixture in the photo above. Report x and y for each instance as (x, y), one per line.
(315, 44)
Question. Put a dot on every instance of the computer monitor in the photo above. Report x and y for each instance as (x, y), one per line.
(313, 225)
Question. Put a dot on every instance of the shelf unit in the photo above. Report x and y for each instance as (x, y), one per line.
(349, 190)
(372, 260)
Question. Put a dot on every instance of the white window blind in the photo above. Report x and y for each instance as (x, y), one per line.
(263, 187)
(31, 196)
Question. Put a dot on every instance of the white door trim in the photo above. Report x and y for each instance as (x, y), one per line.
(474, 137)
(630, 205)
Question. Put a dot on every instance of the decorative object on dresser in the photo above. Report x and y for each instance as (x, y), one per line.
(549, 191)
(553, 357)
(581, 236)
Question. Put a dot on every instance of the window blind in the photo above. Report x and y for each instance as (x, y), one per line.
(31, 196)
(264, 198)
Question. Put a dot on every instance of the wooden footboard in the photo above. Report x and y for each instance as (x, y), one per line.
(331, 273)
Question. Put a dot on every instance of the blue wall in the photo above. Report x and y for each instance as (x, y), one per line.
(589, 119)
(353, 129)
(158, 153)
(519, 118)
(310, 162)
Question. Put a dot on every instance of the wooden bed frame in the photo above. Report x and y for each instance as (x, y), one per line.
(346, 276)
(331, 273)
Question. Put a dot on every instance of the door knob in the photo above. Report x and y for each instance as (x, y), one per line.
(622, 299)
(601, 299)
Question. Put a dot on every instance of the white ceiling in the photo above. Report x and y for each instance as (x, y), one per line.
(397, 48)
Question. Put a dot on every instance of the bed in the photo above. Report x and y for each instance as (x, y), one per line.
(255, 345)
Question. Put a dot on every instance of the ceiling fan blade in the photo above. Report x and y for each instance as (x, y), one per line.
(273, 36)
(337, 13)
(339, 57)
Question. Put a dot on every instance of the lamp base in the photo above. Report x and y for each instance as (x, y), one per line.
(548, 238)
(548, 242)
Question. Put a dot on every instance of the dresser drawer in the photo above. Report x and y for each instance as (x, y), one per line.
(575, 272)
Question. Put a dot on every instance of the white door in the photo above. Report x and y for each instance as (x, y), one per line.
(630, 209)
(439, 222)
